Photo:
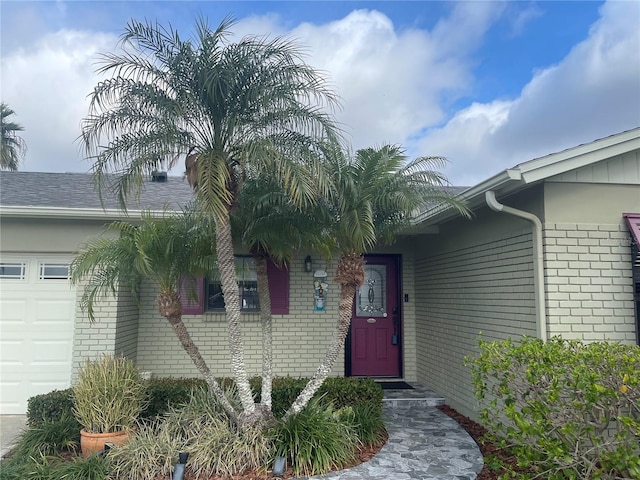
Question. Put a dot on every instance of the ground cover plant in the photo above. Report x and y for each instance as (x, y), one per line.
(344, 422)
(564, 409)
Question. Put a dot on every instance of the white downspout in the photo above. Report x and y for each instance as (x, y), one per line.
(538, 265)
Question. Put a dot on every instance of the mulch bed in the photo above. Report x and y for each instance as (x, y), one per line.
(488, 448)
(474, 429)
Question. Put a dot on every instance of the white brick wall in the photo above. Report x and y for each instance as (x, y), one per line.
(589, 282)
(113, 331)
(299, 338)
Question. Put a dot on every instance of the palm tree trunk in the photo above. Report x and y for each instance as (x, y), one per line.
(350, 275)
(226, 265)
(170, 307)
(347, 293)
(264, 296)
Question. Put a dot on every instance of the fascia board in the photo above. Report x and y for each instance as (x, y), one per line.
(508, 179)
(70, 213)
(583, 155)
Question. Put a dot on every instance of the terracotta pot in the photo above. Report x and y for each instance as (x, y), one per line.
(91, 443)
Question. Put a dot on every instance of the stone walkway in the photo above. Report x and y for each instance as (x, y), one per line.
(424, 443)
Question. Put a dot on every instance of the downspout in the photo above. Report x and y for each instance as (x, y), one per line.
(538, 265)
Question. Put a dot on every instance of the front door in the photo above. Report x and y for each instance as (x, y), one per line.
(375, 327)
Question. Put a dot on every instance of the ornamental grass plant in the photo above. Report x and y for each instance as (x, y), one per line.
(316, 440)
(109, 395)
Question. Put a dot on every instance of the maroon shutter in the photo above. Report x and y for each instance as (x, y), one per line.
(278, 288)
(192, 295)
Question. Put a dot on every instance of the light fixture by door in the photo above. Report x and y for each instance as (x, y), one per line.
(308, 264)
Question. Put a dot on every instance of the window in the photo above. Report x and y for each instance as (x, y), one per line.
(247, 287)
(13, 270)
(201, 294)
(54, 271)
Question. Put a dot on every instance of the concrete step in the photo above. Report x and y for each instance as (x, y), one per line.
(419, 395)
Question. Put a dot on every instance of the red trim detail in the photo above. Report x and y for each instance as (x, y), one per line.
(278, 288)
(192, 295)
(633, 222)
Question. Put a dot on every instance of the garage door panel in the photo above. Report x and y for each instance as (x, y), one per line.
(53, 310)
(12, 310)
(36, 336)
(14, 352)
(51, 352)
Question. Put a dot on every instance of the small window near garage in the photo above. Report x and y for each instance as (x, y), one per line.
(13, 270)
(54, 271)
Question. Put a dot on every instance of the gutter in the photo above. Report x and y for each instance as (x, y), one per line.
(538, 265)
(74, 213)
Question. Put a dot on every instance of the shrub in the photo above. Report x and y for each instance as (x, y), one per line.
(150, 453)
(568, 409)
(368, 424)
(199, 427)
(50, 407)
(109, 395)
(338, 391)
(164, 393)
(315, 440)
(49, 438)
(92, 468)
(38, 467)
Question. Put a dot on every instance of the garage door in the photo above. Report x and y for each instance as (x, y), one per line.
(37, 311)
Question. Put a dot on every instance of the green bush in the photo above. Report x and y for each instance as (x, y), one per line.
(164, 393)
(338, 391)
(316, 440)
(49, 438)
(38, 467)
(368, 424)
(50, 407)
(92, 468)
(568, 410)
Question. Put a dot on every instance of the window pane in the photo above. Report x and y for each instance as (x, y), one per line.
(54, 271)
(12, 270)
(247, 287)
(372, 297)
(215, 300)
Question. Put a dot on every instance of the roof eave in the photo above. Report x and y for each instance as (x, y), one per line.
(69, 213)
(507, 180)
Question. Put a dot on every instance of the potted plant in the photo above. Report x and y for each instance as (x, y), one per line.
(108, 397)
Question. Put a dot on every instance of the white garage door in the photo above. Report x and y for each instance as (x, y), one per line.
(37, 312)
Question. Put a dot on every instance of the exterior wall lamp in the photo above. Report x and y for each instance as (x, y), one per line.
(308, 264)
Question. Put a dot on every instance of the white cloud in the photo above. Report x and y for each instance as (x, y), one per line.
(47, 86)
(591, 94)
(395, 86)
(391, 82)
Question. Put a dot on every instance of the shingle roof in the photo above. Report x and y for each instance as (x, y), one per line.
(77, 190)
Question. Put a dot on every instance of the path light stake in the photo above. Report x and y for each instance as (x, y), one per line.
(279, 466)
(178, 470)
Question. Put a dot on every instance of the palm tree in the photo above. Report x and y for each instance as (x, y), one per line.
(232, 106)
(377, 194)
(164, 250)
(274, 228)
(13, 147)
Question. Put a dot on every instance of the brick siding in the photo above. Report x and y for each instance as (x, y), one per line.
(589, 282)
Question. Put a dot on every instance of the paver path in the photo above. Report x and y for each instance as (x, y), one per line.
(424, 444)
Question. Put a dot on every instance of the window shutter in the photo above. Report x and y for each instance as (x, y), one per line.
(278, 288)
(188, 288)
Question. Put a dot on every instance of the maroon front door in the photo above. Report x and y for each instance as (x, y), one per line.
(375, 326)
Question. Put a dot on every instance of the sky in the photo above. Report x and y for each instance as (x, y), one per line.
(486, 84)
